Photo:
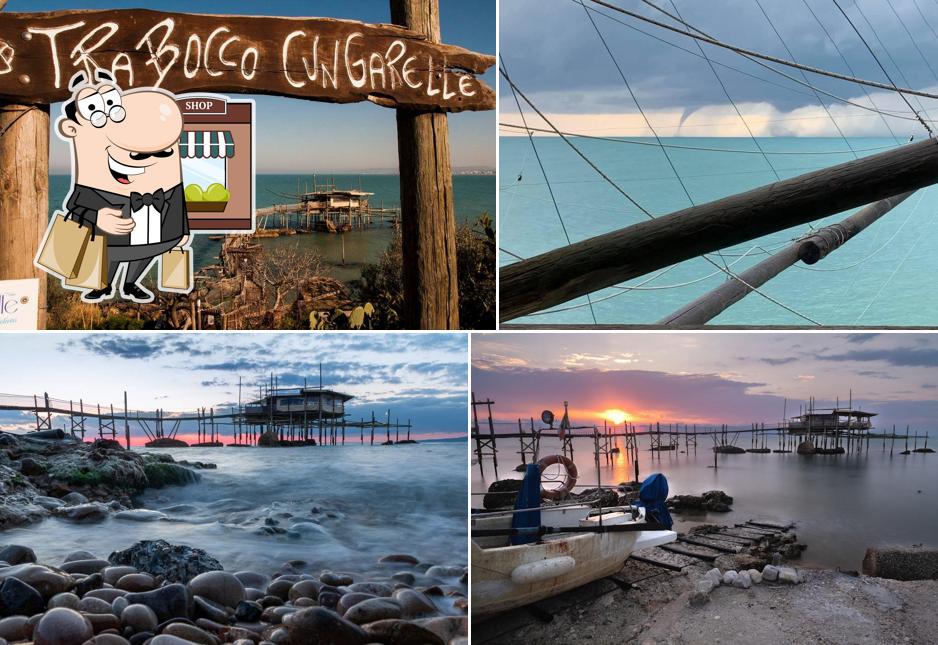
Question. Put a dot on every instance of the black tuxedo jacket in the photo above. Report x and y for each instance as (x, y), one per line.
(84, 202)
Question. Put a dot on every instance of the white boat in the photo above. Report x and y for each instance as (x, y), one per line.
(505, 576)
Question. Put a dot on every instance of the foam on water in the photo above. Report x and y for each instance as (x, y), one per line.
(339, 507)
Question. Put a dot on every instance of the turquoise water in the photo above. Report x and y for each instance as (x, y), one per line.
(881, 277)
(472, 194)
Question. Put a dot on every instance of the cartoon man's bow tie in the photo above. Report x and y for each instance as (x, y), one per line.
(154, 199)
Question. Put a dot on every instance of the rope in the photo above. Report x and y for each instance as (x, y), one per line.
(773, 59)
(543, 171)
(876, 58)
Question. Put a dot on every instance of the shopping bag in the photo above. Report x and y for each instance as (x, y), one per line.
(65, 243)
(92, 271)
(176, 270)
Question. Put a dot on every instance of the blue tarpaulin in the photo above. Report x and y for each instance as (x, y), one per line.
(652, 496)
(528, 497)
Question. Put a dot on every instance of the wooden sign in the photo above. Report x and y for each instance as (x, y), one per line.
(338, 61)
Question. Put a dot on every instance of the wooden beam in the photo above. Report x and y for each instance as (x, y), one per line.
(320, 59)
(809, 249)
(428, 220)
(565, 273)
(24, 193)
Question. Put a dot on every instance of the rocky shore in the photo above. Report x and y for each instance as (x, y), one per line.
(163, 594)
(81, 482)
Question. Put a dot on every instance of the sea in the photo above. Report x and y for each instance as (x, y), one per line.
(840, 504)
(472, 196)
(342, 507)
(881, 277)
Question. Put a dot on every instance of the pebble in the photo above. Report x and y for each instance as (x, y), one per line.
(140, 515)
(139, 618)
(136, 582)
(166, 639)
(112, 574)
(439, 571)
(335, 579)
(318, 625)
(74, 498)
(350, 599)
(61, 626)
(80, 555)
(107, 594)
(118, 605)
(705, 586)
(17, 554)
(698, 599)
(108, 639)
(253, 580)
(729, 577)
(368, 611)
(376, 588)
(714, 576)
(189, 633)
(66, 599)
(755, 576)
(85, 566)
(770, 573)
(401, 632)
(248, 611)
(90, 512)
(13, 628)
(103, 622)
(205, 608)
(92, 605)
(304, 589)
(46, 581)
(398, 558)
(19, 599)
(220, 586)
(170, 601)
(414, 604)
(788, 574)
(742, 580)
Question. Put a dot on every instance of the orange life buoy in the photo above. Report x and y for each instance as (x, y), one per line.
(569, 480)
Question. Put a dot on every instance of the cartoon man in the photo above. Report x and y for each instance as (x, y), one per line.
(127, 175)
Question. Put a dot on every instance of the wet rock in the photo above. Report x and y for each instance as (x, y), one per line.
(351, 599)
(89, 583)
(446, 627)
(404, 577)
(108, 639)
(118, 605)
(17, 554)
(140, 515)
(32, 467)
(67, 600)
(440, 571)
(248, 611)
(368, 611)
(335, 579)
(162, 474)
(316, 625)
(414, 604)
(61, 626)
(252, 579)
(401, 632)
(92, 605)
(13, 628)
(329, 598)
(48, 503)
(113, 574)
(167, 639)
(136, 582)
(19, 599)
(304, 589)
(139, 618)
(45, 580)
(85, 567)
(176, 563)
(103, 622)
(219, 586)
(205, 608)
(170, 601)
(398, 558)
(90, 512)
(770, 573)
(501, 493)
(376, 588)
(713, 500)
(80, 555)
(74, 498)
(189, 633)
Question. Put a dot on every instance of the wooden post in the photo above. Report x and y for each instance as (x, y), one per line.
(428, 220)
(562, 274)
(24, 192)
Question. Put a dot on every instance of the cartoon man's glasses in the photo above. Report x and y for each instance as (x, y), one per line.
(100, 107)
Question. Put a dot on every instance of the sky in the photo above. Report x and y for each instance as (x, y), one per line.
(557, 59)
(422, 377)
(345, 138)
(708, 378)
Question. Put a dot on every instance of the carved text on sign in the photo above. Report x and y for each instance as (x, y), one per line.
(314, 58)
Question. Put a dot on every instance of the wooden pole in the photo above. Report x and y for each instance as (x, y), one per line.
(24, 192)
(810, 249)
(565, 273)
(428, 220)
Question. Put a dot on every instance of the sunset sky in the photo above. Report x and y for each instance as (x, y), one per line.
(418, 376)
(708, 378)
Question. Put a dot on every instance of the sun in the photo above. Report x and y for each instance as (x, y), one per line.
(616, 415)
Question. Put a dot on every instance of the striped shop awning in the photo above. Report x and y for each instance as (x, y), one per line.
(206, 144)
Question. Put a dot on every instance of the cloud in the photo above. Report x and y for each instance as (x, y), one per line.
(900, 356)
(778, 361)
(805, 377)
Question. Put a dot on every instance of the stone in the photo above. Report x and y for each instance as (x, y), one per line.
(446, 627)
(103, 622)
(404, 577)
(704, 585)
(770, 573)
(67, 599)
(80, 555)
(698, 599)
(107, 594)
(376, 588)
(789, 575)
(19, 599)
(136, 582)
(253, 580)
(88, 584)
(742, 580)
(729, 577)
(113, 574)
(17, 554)
(401, 632)
(398, 558)
(335, 579)
(414, 604)
(316, 625)
(755, 576)
(368, 611)
(86, 513)
(118, 605)
(74, 498)
(108, 639)
(140, 515)
(350, 599)
(164, 474)
(440, 571)
(61, 626)
(176, 563)
(167, 639)
(189, 633)
(32, 467)
(205, 608)
(13, 628)
(91, 605)
(45, 580)
(86, 567)
(329, 599)
(304, 589)
(714, 576)
(281, 588)
(248, 611)
(219, 586)
(139, 618)
(169, 601)
(48, 503)
(901, 563)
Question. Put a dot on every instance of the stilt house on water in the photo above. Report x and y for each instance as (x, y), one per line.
(831, 421)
